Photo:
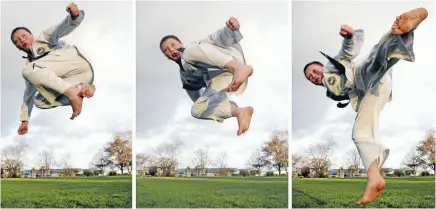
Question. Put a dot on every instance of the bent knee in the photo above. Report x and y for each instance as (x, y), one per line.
(199, 107)
(196, 111)
(359, 135)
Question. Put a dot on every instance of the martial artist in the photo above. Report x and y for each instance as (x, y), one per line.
(367, 85)
(216, 63)
(56, 74)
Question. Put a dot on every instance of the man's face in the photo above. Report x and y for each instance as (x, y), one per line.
(169, 48)
(23, 39)
(314, 73)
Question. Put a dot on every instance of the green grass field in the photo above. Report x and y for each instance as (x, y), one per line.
(412, 192)
(92, 192)
(212, 192)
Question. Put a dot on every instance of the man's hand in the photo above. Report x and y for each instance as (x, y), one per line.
(23, 128)
(346, 31)
(73, 10)
(233, 24)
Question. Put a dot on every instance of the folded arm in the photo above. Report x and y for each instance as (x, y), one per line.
(351, 46)
(224, 37)
(68, 25)
(26, 107)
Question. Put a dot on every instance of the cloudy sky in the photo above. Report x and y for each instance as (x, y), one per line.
(163, 107)
(315, 117)
(109, 111)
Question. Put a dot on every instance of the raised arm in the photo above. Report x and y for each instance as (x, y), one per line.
(352, 43)
(226, 36)
(68, 25)
(26, 107)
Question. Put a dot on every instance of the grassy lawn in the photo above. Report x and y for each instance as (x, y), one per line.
(91, 192)
(413, 192)
(260, 192)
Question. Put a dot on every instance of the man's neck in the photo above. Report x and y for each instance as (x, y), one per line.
(179, 62)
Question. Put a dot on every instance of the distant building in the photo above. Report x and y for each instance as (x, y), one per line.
(209, 172)
(50, 173)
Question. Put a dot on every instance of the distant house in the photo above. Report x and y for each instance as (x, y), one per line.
(348, 173)
(387, 171)
(51, 173)
(209, 172)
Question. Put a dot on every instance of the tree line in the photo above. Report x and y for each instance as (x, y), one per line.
(316, 159)
(164, 159)
(116, 153)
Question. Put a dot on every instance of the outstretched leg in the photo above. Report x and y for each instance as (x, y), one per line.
(375, 184)
(408, 21)
(367, 140)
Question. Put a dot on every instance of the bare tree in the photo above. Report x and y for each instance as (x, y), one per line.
(221, 161)
(319, 157)
(12, 159)
(276, 149)
(143, 161)
(297, 162)
(65, 164)
(354, 162)
(101, 161)
(167, 154)
(258, 160)
(201, 160)
(413, 160)
(46, 162)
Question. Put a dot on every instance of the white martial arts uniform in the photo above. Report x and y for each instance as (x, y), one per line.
(369, 87)
(203, 67)
(47, 78)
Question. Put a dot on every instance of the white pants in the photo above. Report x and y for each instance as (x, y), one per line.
(213, 55)
(53, 74)
(366, 133)
(214, 103)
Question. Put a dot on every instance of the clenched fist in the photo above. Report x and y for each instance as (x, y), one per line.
(233, 24)
(346, 31)
(73, 10)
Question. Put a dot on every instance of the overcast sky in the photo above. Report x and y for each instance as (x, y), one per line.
(164, 108)
(315, 27)
(107, 36)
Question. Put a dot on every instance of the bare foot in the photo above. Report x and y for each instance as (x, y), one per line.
(76, 101)
(244, 119)
(220, 121)
(372, 190)
(24, 127)
(87, 91)
(240, 75)
(409, 20)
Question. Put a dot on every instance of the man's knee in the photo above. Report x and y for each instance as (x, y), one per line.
(362, 132)
(199, 107)
(41, 104)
